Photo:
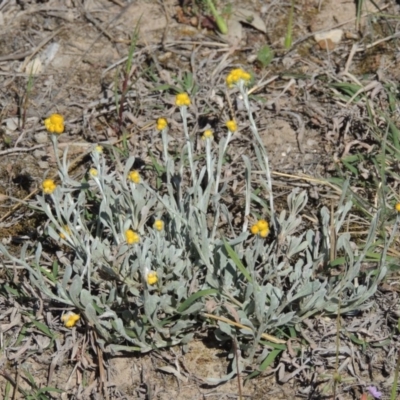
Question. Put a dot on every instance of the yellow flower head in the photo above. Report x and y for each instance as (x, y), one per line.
(260, 228)
(254, 229)
(66, 231)
(55, 124)
(134, 176)
(182, 99)
(161, 124)
(158, 225)
(397, 207)
(98, 149)
(236, 75)
(93, 172)
(70, 319)
(48, 186)
(231, 125)
(152, 277)
(208, 134)
(132, 237)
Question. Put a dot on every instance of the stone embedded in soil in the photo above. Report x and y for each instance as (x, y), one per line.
(329, 40)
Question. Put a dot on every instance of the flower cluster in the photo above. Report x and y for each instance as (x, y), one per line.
(132, 237)
(48, 186)
(208, 134)
(231, 125)
(134, 176)
(70, 319)
(161, 124)
(158, 225)
(260, 228)
(93, 172)
(152, 278)
(237, 75)
(182, 100)
(55, 124)
(98, 149)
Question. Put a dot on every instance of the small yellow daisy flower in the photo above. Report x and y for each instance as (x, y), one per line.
(134, 176)
(236, 75)
(98, 149)
(208, 134)
(397, 207)
(48, 186)
(158, 225)
(132, 237)
(260, 228)
(93, 172)
(152, 277)
(70, 319)
(55, 124)
(231, 125)
(182, 99)
(66, 230)
(161, 124)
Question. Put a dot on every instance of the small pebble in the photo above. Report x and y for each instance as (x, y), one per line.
(43, 164)
(41, 137)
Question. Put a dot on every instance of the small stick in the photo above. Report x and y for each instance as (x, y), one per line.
(21, 149)
(38, 47)
(228, 321)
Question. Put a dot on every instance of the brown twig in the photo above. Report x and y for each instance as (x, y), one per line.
(228, 321)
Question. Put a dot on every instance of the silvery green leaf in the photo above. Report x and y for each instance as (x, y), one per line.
(193, 309)
(150, 305)
(75, 290)
(295, 245)
(225, 328)
(85, 297)
(179, 326)
(247, 322)
(91, 315)
(285, 319)
(66, 277)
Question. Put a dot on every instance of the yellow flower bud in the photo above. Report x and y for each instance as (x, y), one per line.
(231, 125)
(98, 149)
(254, 229)
(132, 237)
(152, 277)
(93, 172)
(397, 207)
(262, 224)
(264, 233)
(54, 124)
(161, 124)
(182, 99)
(134, 176)
(158, 225)
(66, 231)
(70, 319)
(208, 134)
(48, 186)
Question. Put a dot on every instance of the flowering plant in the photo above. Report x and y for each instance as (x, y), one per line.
(142, 264)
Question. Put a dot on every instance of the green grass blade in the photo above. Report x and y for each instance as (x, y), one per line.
(194, 297)
(232, 254)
